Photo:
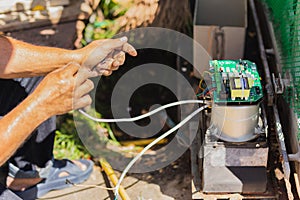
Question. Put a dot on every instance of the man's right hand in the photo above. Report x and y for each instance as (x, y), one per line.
(65, 89)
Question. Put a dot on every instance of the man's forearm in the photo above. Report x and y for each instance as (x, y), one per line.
(18, 124)
(20, 59)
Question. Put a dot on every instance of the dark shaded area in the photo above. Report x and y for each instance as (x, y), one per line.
(34, 152)
(254, 179)
(108, 184)
(145, 96)
(39, 146)
(8, 98)
(107, 84)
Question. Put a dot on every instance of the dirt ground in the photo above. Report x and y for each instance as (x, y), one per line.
(174, 180)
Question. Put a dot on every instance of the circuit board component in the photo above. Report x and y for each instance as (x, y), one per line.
(236, 81)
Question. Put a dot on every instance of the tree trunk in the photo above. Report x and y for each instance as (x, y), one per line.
(171, 14)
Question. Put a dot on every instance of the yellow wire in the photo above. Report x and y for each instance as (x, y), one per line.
(208, 73)
(200, 83)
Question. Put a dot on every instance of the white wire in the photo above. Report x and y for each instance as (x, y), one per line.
(157, 139)
(152, 144)
(141, 116)
(89, 186)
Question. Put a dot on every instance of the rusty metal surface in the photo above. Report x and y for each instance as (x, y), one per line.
(246, 157)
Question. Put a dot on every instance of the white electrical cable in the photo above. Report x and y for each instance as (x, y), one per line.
(152, 144)
(157, 139)
(141, 116)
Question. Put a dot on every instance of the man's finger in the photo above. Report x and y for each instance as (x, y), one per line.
(84, 88)
(127, 48)
(112, 44)
(105, 65)
(115, 66)
(82, 102)
(107, 72)
(120, 57)
(82, 75)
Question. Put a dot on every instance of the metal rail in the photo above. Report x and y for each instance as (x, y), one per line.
(270, 93)
(263, 56)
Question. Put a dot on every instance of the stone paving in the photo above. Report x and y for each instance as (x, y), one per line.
(136, 189)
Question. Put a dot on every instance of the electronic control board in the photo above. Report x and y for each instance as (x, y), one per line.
(235, 81)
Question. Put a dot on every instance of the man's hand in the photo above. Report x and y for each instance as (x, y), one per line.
(65, 89)
(20, 59)
(60, 91)
(105, 56)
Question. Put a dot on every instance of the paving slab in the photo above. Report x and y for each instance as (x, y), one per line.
(136, 189)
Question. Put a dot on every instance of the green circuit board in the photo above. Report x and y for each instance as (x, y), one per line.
(235, 81)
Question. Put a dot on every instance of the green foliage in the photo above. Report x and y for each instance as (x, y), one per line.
(68, 145)
(111, 9)
(99, 28)
(67, 142)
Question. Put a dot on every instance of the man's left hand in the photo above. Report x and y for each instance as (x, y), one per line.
(105, 56)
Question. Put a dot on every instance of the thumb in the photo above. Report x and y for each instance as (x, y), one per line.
(70, 69)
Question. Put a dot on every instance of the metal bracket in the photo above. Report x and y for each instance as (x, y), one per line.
(220, 43)
(280, 84)
(294, 157)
